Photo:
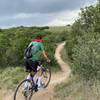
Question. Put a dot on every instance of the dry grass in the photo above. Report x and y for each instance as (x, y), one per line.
(10, 77)
(78, 89)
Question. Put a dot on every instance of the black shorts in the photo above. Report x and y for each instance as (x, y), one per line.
(31, 65)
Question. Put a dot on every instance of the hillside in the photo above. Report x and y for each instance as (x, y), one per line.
(47, 94)
(13, 41)
(83, 56)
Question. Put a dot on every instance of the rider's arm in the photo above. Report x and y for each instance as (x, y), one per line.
(45, 56)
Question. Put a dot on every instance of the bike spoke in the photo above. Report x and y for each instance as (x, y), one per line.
(46, 76)
(23, 91)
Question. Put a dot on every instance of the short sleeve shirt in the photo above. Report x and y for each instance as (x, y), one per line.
(38, 46)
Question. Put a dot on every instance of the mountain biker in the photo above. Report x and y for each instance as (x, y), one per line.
(31, 64)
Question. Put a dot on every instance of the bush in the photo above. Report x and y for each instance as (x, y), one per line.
(86, 56)
(13, 42)
(83, 43)
(4, 45)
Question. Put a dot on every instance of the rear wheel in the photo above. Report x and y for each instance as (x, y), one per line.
(46, 76)
(24, 90)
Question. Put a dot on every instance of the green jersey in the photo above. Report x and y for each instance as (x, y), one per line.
(38, 46)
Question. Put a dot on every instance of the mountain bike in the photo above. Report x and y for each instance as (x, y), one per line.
(32, 84)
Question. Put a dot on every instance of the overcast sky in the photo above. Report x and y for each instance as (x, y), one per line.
(40, 12)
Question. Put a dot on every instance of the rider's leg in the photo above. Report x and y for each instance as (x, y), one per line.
(40, 72)
(39, 77)
(30, 75)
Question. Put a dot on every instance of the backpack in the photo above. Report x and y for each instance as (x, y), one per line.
(28, 51)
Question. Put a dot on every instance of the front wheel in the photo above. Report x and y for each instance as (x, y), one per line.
(46, 76)
(24, 90)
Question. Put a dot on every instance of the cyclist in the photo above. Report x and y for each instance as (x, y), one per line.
(31, 64)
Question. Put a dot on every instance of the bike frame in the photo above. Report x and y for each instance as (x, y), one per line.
(34, 83)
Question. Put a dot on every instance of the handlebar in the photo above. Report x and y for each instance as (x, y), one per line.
(42, 61)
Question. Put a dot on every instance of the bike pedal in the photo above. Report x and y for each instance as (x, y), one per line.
(36, 88)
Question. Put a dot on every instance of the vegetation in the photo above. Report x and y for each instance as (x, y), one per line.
(82, 47)
(77, 89)
(11, 76)
(13, 42)
(83, 44)
(83, 51)
(63, 55)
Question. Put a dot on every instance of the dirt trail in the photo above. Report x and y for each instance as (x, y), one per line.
(47, 94)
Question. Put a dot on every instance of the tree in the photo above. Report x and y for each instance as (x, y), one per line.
(4, 45)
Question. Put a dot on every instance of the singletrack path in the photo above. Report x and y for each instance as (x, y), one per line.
(48, 93)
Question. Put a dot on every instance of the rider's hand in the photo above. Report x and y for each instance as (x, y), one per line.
(48, 60)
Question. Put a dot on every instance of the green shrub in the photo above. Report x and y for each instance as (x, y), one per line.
(4, 45)
(13, 42)
(86, 56)
(83, 43)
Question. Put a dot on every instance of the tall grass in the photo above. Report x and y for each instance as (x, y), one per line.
(78, 89)
(11, 76)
